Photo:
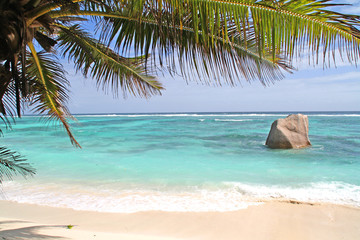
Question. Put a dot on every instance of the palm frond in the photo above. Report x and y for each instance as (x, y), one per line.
(107, 67)
(12, 164)
(8, 103)
(50, 88)
(45, 42)
(7, 97)
(5, 80)
(230, 39)
(279, 28)
(221, 60)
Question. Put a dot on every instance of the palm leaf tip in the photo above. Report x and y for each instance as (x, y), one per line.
(111, 70)
(12, 164)
(50, 92)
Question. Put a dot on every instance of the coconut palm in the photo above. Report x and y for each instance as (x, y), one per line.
(216, 42)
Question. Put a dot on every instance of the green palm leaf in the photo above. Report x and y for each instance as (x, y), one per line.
(11, 164)
(229, 39)
(277, 26)
(212, 59)
(49, 88)
(108, 68)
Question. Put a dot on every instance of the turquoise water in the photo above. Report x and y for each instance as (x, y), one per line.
(184, 162)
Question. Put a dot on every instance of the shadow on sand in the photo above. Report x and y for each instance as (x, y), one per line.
(23, 233)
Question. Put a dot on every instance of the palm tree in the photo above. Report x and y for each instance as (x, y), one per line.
(217, 42)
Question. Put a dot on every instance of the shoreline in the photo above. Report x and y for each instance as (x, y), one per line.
(230, 196)
(283, 219)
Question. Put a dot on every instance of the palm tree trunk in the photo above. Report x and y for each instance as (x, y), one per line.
(25, 84)
(17, 83)
(5, 76)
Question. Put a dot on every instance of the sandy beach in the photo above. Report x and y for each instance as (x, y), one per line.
(272, 220)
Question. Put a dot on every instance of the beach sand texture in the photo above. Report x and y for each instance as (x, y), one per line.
(272, 220)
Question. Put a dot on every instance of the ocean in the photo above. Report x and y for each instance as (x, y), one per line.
(183, 162)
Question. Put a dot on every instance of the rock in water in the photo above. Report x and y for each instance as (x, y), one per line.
(289, 132)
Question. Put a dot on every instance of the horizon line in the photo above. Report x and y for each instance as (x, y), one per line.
(192, 112)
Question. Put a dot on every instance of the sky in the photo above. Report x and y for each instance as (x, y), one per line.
(307, 89)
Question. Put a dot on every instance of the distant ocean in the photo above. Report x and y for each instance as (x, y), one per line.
(184, 162)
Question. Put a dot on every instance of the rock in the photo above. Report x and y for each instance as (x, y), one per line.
(289, 132)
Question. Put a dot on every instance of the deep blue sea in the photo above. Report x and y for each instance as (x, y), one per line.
(184, 162)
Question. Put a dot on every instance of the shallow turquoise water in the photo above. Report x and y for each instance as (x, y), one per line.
(184, 162)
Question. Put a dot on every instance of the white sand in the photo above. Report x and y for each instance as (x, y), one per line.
(275, 220)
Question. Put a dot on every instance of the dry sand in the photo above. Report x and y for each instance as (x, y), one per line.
(273, 220)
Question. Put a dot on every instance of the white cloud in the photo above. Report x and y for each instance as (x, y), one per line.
(353, 8)
(331, 79)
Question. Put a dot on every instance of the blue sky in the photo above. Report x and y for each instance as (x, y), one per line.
(308, 89)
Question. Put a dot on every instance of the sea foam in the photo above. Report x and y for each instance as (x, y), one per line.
(232, 120)
(231, 197)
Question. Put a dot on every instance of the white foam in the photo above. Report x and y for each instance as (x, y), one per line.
(335, 115)
(99, 115)
(127, 201)
(216, 115)
(329, 192)
(207, 115)
(184, 115)
(233, 120)
(231, 196)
